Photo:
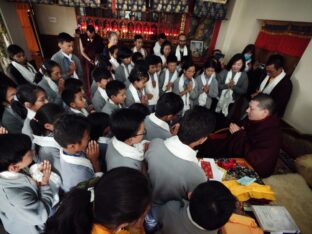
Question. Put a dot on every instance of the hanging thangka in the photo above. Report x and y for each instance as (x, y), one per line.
(170, 6)
(209, 10)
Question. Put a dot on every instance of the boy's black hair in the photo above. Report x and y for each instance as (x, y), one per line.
(137, 37)
(69, 129)
(172, 59)
(103, 62)
(234, 59)
(168, 104)
(158, 59)
(124, 53)
(162, 36)
(138, 73)
(114, 87)
(211, 63)
(125, 123)
(90, 28)
(112, 49)
(69, 95)
(137, 56)
(152, 60)
(13, 50)
(211, 205)
(141, 108)
(277, 60)
(64, 37)
(72, 83)
(13, 147)
(196, 123)
(98, 121)
(100, 73)
(265, 102)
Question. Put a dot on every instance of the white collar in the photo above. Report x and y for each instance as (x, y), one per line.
(159, 122)
(104, 140)
(69, 56)
(103, 93)
(111, 102)
(142, 51)
(45, 141)
(51, 84)
(128, 151)
(191, 220)
(30, 114)
(10, 175)
(180, 150)
(76, 160)
(268, 89)
(134, 93)
(28, 74)
(83, 111)
(204, 79)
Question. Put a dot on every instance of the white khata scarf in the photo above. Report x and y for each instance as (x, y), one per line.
(268, 89)
(178, 54)
(28, 74)
(202, 99)
(185, 97)
(173, 78)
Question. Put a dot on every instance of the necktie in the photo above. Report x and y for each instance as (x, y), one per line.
(140, 94)
(67, 62)
(127, 68)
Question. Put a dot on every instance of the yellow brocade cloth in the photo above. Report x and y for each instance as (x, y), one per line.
(99, 229)
(246, 192)
(242, 225)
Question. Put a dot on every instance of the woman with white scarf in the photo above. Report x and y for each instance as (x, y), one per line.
(49, 78)
(207, 84)
(233, 82)
(186, 86)
(19, 70)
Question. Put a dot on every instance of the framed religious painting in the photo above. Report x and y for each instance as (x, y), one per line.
(197, 48)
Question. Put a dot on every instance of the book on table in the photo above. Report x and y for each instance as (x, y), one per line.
(275, 219)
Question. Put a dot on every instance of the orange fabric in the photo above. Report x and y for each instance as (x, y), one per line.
(22, 13)
(242, 225)
(99, 229)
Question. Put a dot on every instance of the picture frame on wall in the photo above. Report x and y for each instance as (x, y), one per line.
(197, 48)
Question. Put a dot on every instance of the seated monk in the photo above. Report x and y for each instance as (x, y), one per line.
(257, 139)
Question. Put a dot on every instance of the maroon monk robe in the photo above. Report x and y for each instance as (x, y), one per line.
(259, 143)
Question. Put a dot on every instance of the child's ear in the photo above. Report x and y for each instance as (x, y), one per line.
(72, 105)
(48, 126)
(60, 44)
(28, 105)
(13, 167)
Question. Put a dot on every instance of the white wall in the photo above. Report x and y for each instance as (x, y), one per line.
(52, 20)
(242, 28)
(13, 25)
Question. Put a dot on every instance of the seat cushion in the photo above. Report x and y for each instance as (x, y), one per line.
(304, 167)
(292, 191)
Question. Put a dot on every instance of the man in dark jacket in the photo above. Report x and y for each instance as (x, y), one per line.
(258, 139)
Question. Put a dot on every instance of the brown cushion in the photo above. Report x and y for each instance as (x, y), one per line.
(304, 167)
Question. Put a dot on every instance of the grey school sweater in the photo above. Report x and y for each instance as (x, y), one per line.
(174, 219)
(115, 159)
(171, 177)
(154, 131)
(25, 207)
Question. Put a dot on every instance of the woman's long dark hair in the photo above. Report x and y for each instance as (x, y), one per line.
(48, 113)
(120, 196)
(25, 93)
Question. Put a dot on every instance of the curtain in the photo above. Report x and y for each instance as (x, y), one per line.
(287, 38)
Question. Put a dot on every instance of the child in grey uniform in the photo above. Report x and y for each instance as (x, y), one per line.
(25, 203)
(157, 124)
(72, 133)
(74, 99)
(210, 206)
(122, 72)
(116, 92)
(42, 127)
(101, 77)
(124, 150)
(169, 159)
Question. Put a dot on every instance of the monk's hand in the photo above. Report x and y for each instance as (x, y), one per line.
(45, 169)
(234, 128)
(3, 131)
(255, 94)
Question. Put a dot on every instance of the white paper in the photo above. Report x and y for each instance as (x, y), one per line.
(217, 173)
